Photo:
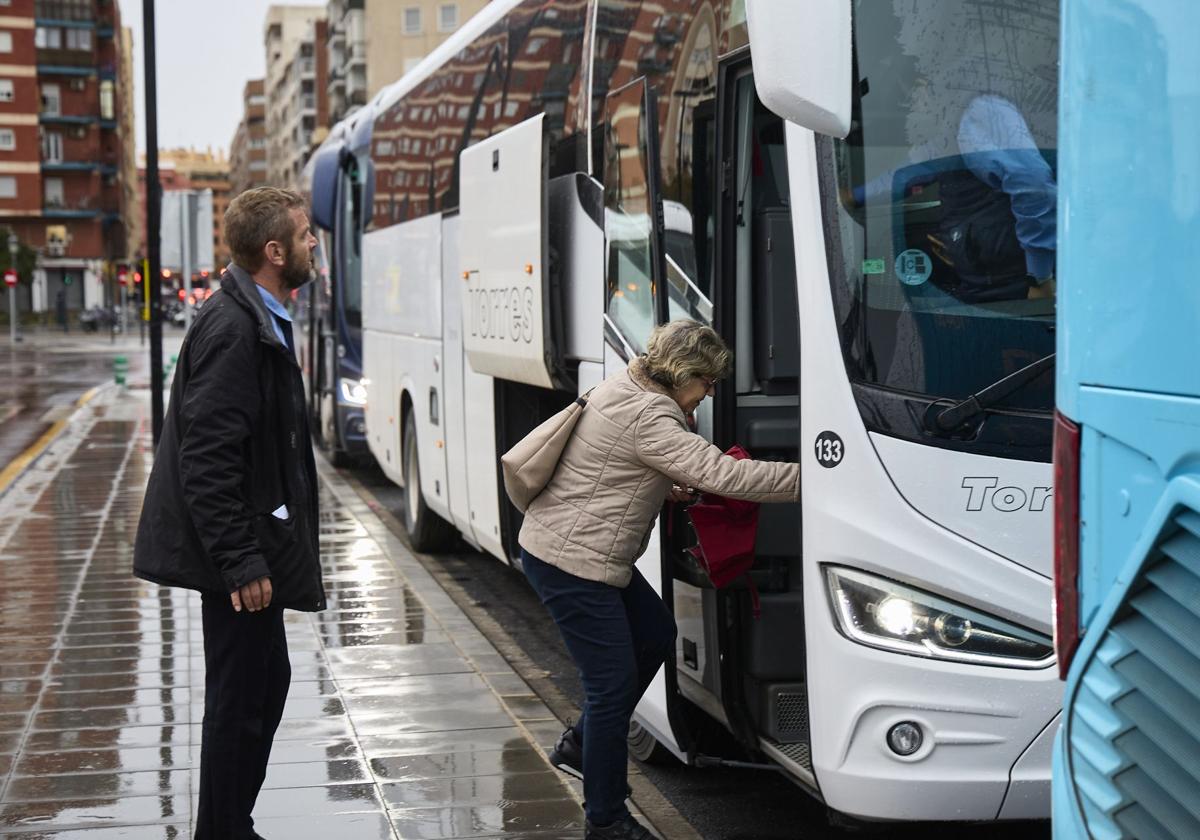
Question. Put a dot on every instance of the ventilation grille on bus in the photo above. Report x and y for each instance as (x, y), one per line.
(787, 713)
(1135, 723)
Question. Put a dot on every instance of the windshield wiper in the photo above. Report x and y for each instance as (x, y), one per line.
(956, 416)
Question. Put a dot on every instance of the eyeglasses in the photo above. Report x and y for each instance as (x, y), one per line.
(709, 384)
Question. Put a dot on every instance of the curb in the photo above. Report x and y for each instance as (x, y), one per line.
(17, 466)
(657, 809)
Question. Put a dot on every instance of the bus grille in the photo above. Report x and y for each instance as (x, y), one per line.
(1135, 722)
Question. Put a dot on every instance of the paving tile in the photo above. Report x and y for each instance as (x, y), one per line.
(523, 759)
(561, 816)
(84, 813)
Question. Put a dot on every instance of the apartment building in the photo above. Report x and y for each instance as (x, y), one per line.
(295, 88)
(399, 33)
(248, 151)
(64, 153)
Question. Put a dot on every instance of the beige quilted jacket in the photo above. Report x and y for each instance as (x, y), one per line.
(594, 518)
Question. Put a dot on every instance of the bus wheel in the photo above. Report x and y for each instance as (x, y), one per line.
(427, 531)
(645, 747)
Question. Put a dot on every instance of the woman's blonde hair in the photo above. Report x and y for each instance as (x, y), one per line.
(683, 350)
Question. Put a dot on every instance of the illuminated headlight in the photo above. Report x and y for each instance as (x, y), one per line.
(354, 391)
(880, 613)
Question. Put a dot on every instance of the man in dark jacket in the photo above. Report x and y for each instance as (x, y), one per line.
(231, 507)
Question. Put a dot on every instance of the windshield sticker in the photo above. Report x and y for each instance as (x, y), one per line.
(829, 449)
(913, 267)
(874, 266)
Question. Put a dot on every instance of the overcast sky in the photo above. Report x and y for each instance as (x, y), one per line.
(207, 50)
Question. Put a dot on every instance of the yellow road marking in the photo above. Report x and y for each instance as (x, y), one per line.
(17, 466)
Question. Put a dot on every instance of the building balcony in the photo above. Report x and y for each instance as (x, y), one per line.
(70, 165)
(83, 64)
(67, 119)
(307, 66)
(55, 212)
(308, 103)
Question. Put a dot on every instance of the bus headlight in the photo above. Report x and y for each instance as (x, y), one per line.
(354, 391)
(880, 613)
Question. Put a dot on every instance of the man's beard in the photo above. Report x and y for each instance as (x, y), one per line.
(298, 269)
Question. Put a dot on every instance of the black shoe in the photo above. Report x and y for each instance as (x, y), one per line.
(626, 829)
(567, 756)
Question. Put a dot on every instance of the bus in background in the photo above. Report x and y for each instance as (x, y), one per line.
(863, 206)
(329, 310)
(1127, 439)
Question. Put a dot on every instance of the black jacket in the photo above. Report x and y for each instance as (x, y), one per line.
(234, 448)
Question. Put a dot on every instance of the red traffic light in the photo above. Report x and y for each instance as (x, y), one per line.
(137, 277)
(182, 294)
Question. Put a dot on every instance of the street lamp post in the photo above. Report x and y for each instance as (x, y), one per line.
(13, 244)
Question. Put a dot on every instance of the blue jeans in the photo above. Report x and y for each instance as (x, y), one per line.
(617, 638)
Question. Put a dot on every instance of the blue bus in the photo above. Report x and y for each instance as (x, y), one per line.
(329, 311)
(1127, 447)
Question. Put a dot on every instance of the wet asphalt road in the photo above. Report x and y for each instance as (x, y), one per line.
(43, 376)
(722, 804)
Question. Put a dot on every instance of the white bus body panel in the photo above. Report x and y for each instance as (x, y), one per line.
(978, 720)
(468, 412)
(502, 192)
(1010, 512)
(402, 348)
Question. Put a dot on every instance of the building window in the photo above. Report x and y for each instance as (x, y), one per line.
(52, 147)
(79, 39)
(7, 94)
(108, 108)
(8, 186)
(6, 42)
(51, 100)
(54, 196)
(412, 20)
(447, 17)
(8, 140)
(48, 38)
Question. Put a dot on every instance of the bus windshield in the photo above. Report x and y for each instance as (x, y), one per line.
(945, 233)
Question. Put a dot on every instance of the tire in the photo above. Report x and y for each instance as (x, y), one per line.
(645, 747)
(427, 531)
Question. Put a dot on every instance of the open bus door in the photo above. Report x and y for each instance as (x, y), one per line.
(747, 673)
(635, 293)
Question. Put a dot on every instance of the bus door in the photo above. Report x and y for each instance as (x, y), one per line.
(635, 300)
(736, 270)
(756, 310)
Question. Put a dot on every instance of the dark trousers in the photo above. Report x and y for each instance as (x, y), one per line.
(246, 679)
(617, 638)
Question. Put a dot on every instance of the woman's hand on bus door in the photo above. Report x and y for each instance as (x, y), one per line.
(683, 495)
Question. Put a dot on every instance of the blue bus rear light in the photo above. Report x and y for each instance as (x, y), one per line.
(880, 613)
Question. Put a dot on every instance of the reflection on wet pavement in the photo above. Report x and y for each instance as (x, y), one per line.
(402, 721)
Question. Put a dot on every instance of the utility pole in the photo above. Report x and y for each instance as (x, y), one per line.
(153, 278)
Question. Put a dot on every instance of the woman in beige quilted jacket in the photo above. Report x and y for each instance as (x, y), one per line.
(631, 450)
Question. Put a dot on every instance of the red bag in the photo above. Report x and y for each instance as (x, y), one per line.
(726, 530)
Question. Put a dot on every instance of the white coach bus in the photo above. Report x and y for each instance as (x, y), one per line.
(859, 196)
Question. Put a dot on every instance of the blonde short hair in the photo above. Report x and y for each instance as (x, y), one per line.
(259, 216)
(683, 350)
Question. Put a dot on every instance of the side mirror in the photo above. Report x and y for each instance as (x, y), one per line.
(326, 167)
(802, 57)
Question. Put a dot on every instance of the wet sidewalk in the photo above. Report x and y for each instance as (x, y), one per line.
(402, 721)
